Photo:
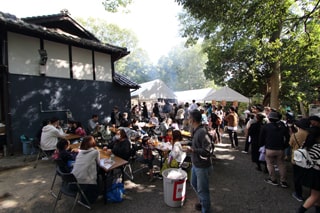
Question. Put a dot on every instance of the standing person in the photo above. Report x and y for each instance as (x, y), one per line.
(93, 124)
(220, 114)
(232, 126)
(193, 106)
(145, 113)
(312, 176)
(116, 116)
(204, 118)
(215, 121)
(180, 116)
(275, 137)
(148, 157)
(50, 134)
(135, 112)
(296, 141)
(156, 110)
(254, 133)
(201, 163)
(166, 109)
(85, 168)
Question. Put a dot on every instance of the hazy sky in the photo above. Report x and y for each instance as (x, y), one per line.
(153, 21)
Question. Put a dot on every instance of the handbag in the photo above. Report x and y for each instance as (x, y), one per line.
(301, 157)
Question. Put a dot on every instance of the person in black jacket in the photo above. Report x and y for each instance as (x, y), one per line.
(122, 147)
(66, 157)
(275, 137)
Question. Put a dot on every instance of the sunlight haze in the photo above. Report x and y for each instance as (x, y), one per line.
(154, 22)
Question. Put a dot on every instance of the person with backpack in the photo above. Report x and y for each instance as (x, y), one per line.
(296, 141)
(311, 178)
(232, 120)
(201, 163)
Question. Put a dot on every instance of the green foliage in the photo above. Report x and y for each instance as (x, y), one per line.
(244, 39)
(113, 6)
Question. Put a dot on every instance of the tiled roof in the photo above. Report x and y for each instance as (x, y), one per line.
(14, 24)
(125, 82)
(61, 21)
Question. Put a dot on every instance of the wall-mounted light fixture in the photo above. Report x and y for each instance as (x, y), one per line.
(43, 57)
(43, 61)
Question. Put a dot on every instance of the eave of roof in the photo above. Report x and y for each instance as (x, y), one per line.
(125, 82)
(14, 24)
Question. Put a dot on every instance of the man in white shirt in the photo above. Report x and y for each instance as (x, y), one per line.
(50, 134)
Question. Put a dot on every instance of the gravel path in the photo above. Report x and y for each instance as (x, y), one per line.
(235, 187)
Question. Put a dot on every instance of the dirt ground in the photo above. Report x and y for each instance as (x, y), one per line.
(235, 187)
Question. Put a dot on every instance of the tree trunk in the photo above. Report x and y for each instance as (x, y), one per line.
(275, 85)
(303, 111)
(275, 78)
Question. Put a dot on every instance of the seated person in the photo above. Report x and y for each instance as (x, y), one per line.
(122, 147)
(135, 126)
(66, 155)
(154, 120)
(93, 124)
(147, 154)
(50, 134)
(131, 134)
(165, 125)
(168, 136)
(176, 156)
(70, 127)
(124, 119)
(114, 139)
(105, 132)
(85, 168)
(79, 129)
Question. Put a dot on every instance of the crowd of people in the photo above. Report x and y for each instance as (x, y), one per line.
(272, 139)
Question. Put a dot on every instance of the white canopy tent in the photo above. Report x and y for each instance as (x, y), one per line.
(226, 94)
(197, 94)
(153, 90)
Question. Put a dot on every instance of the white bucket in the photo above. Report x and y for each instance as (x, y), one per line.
(174, 186)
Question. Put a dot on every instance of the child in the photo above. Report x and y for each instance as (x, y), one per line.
(66, 157)
(176, 156)
(147, 155)
(168, 136)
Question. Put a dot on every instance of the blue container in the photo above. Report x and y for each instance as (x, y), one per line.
(26, 145)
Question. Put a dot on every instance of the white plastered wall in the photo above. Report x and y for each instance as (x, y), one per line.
(23, 55)
(82, 63)
(103, 67)
(58, 59)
